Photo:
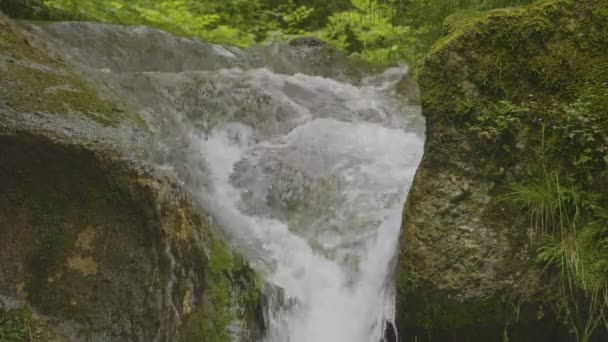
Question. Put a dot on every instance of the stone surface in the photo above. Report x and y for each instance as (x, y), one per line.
(95, 244)
(465, 270)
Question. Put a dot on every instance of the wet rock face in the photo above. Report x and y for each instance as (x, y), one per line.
(100, 251)
(121, 49)
(390, 334)
(465, 271)
(77, 244)
(135, 49)
(96, 244)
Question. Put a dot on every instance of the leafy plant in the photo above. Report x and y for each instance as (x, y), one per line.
(380, 31)
(341, 32)
(571, 225)
(499, 122)
(14, 327)
(294, 16)
(585, 125)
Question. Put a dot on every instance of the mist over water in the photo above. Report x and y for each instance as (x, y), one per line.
(306, 175)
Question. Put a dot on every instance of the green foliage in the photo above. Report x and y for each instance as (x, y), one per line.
(539, 197)
(584, 124)
(372, 38)
(572, 227)
(18, 325)
(498, 122)
(342, 34)
(569, 226)
(232, 293)
(182, 17)
(380, 31)
(294, 16)
(13, 328)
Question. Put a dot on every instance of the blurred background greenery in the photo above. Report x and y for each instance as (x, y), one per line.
(379, 31)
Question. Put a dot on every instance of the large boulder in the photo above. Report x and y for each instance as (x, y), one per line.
(466, 269)
(95, 244)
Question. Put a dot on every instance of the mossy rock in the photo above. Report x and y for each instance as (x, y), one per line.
(110, 252)
(95, 245)
(498, 92)
(33, 80)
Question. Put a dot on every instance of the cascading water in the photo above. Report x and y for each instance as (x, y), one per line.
(321, 204)
(306, 175)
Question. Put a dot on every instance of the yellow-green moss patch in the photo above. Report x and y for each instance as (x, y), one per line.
(85, 265)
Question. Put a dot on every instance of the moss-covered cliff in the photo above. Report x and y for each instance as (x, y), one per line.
(502, 232)
(94, 245)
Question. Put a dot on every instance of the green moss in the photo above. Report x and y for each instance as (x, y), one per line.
(231, 296)
(13, 328)
(493, 52)
(593, 242)
(34, 81)
(19, 325)
(457, 25)
(219, 293)
(14, 44)
(409, 280)
(250, 284)
(29, 89)
(200, 326)
(510, 92)
(221, 259)
(541, 58)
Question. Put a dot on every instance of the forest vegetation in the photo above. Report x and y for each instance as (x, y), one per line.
(379, 31)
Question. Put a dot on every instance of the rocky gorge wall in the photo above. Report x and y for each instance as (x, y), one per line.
(95, 245)
(497, 92)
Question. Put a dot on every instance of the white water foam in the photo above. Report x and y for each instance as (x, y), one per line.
(319, 208)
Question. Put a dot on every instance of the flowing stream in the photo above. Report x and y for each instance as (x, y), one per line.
(306, 172)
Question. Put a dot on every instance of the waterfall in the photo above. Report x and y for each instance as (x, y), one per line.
(305, 172)
(319, 205)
